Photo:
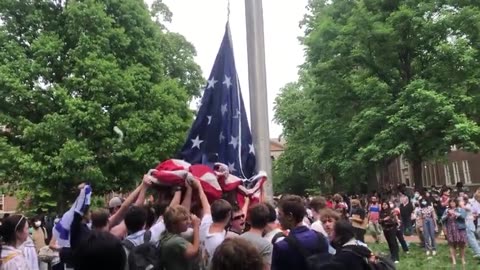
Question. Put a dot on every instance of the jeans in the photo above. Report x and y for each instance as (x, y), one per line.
(429, 234)
(401, 239)
(472, 241)
(407, 226)
(391, 237)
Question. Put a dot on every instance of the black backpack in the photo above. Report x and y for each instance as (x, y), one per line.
(277, 236)
(143, 257)
(381, 262)
(313, 260)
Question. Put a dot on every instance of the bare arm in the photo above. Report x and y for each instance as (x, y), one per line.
(203, 198)
(187, 200)
(176, 198)
(133, 197)
(192, 249)
(53, 244)
(141, 196)
(246, 205)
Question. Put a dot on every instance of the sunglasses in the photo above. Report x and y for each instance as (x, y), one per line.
(19, 221)
(239, 217)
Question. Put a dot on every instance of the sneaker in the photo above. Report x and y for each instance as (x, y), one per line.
(428, 253)
(407, 252)
(396, 262)
(434, 253)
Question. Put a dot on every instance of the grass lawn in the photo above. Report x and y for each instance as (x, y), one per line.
(417, 258)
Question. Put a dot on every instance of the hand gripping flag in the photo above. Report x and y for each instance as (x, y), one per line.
(61, 231)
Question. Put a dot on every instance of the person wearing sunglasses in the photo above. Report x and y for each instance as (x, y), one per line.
(13, 233)
(237, 222)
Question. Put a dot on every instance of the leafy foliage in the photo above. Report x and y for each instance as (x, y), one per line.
(382, 79)
(71, 71)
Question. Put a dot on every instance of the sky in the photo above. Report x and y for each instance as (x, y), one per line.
(202, 22)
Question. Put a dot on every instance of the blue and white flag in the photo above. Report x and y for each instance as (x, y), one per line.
(61, 231)
(220, 132)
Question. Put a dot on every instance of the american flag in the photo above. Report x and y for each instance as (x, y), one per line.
(220, 132)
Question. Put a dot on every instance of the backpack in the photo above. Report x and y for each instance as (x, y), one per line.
(277, 236)
(313, 260)
(381, 262)
(142, 257)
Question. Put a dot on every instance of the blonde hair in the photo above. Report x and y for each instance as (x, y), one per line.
(476, 196)
(328, 213)
(174, 215)
(355, 202)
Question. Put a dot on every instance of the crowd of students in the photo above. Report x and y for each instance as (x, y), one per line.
(186, 231)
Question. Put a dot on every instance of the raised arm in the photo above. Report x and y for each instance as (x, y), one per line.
(120, 215)
(177, 197)
(187, 200)
(246, 205)
(203, 198)
(193, 248)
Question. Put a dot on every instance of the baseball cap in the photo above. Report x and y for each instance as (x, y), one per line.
(115, 202)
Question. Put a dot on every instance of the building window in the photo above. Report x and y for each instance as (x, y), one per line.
(2, 202)
(466, 172)
(456, 173)
(448, 179)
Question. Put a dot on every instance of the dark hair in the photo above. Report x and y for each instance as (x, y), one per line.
(99, 251)
(235, 208)
(421, 201)
(453, 200)
(99, 218)
(151, 217)
(236, 254)
(221, 210)
(135, 219)
(10, 226)
(318, 203)
(344, 232)
(272, 214)
(258, 216)
(293, 205)
(160, 208)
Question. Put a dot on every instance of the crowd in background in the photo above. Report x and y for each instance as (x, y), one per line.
(184, 230)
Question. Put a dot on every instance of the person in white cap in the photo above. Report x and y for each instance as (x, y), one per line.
(114, 205)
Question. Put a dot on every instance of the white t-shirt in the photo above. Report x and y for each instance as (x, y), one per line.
(269, 236)
(318, 226)
(30, 253)
(136, 238)
(156, 231)
(208, 241)
(15, 260)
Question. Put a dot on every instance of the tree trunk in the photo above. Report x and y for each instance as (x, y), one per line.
(417, 174)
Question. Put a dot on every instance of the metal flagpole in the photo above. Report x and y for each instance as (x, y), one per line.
(258, 89)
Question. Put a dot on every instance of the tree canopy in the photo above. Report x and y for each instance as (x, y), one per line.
(382, 79)
(93, 91)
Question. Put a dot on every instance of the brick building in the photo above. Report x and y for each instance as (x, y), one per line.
(459, 166)
(7, 204)
(277, 146)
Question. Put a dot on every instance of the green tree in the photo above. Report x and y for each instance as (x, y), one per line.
(91, 91)
(391, 78)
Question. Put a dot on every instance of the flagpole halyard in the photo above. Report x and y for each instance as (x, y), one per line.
(228, 10)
